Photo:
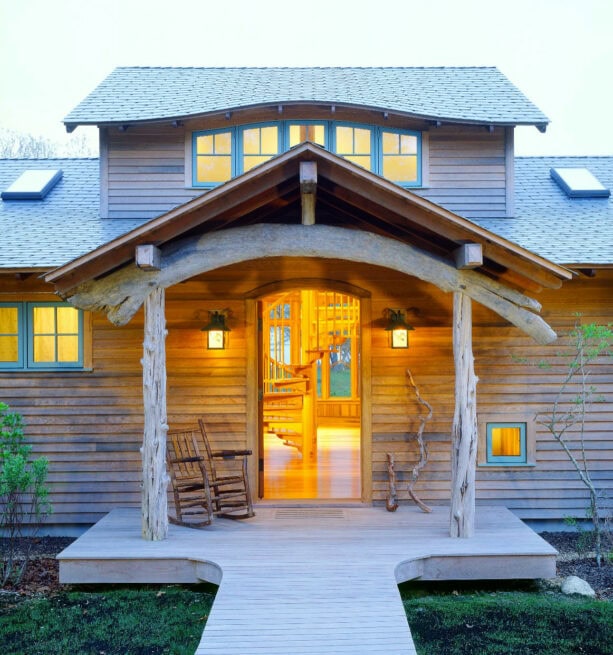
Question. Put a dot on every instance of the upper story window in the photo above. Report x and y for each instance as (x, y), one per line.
(40, 336)
(219, 155)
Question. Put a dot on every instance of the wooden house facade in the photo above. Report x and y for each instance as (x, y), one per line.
(306, 214)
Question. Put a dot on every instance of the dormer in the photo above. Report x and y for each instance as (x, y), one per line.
(170, 134)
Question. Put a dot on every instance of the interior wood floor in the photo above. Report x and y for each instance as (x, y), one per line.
(334, 475)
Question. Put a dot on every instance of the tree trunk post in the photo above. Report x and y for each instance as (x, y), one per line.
(464, 430)
(154, 501)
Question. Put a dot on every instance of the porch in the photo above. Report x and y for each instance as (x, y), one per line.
(318, 579)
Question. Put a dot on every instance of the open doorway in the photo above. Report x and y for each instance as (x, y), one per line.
(310, 405)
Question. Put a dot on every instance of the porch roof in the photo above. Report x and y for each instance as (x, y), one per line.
(347, 196)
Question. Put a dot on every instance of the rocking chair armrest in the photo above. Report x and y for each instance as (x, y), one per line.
(228, 454)
(185, 460)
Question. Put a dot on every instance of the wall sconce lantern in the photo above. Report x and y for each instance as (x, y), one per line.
(216, 330)
(398, 328)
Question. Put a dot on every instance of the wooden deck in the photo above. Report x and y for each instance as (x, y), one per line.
(309, 579)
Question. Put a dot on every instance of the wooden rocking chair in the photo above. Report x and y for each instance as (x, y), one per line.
(190, 484)
(230, 492)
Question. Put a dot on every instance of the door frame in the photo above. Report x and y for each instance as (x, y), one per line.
(253, 372)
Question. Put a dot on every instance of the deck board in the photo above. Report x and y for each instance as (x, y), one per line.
(309, 581)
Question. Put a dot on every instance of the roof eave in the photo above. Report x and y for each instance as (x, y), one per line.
(434, 119)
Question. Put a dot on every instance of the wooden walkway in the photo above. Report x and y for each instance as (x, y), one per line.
(317, 580)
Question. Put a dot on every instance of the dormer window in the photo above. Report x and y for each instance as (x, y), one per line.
(219, 155)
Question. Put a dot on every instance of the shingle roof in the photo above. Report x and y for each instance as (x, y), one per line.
(548, 222)
(466, 94)
(47, 233)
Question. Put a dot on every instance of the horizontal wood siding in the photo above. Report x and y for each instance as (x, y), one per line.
(467, 172)
(89, 424)
(146, 171)
(146, 176)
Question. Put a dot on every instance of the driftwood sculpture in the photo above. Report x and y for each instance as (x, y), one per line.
(423, 449)
(391, 503)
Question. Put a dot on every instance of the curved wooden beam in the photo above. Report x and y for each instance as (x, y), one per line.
(122, 293)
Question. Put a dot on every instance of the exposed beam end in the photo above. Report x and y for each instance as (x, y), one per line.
(148, 257)
(468, 255)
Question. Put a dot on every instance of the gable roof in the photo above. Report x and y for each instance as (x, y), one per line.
(347, 196)
(41, 234)
(577, 231)
(481, 95)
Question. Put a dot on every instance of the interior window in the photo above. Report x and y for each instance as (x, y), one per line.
(298, 133)
(399, 153)
(355, 144)
(259, 145)
(506, 443)
(214, 157)
(9, 335)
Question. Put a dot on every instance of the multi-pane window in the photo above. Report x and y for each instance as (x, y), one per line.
(214, 157)
(399, 156)
(40, 336)
(219, 155)
(354, 144)
(506, 443)
(259, 144)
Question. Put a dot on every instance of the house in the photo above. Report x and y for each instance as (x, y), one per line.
(305, 214)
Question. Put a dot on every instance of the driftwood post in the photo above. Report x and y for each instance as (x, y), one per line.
(154, 502)
(464, 431)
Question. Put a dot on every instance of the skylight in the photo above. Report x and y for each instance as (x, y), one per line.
(33, 184)
(579, 183)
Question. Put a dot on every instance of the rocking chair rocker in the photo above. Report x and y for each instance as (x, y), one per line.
(230, 492)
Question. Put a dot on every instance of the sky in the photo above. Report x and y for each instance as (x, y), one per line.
(558, 52)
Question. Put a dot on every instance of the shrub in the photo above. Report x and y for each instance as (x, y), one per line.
(24, 500)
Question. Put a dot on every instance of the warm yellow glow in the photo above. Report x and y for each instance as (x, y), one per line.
(56, 334)
(334, 474)
(400, 168)
(362, 141)
(223, 143)
(204, 144)
(67, 320)
(68, 349)
(215, 339)
(363, 161)
(9, 349)
(9, 318)
(44, 349)
(214, 169)
(44, 320)
(301, 133)
(506, 442)
(252, 162)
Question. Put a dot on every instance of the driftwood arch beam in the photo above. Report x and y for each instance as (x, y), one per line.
(309, 203)
(121, 294)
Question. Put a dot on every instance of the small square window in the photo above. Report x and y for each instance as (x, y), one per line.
(506, 440)
(506, 443)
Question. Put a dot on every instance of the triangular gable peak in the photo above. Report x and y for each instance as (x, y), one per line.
(308, 202)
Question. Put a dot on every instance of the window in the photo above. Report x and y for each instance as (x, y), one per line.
(39, 336)
(219, 155)
(506, 441)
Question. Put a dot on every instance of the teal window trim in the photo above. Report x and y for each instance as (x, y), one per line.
(19, 364)
(233, 156)
(283, 145)
(26, 340)
(508, 460)
(416, 183)
(239, 141)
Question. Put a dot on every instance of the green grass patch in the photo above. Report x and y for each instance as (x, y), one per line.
(482, 621)
(116, 621)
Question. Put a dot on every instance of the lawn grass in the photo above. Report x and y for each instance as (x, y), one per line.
(485, 622)
(116, 621)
